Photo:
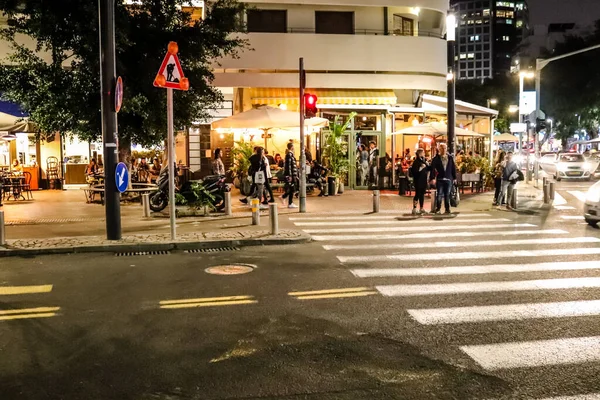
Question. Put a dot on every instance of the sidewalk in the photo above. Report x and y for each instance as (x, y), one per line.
(61, 221)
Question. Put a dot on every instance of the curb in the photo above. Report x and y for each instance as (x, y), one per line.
(146, 247)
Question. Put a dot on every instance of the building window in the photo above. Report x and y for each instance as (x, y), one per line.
(474, 38)
(471, 65)
(505, 4)
(519, 24)
(403, 26)
(478, 64)
(506, 38)
(486, 72)
(486, 46)
(463, 74)
(463, 56)
(509, 21)
(334, 22)
(267, 21)
(486, 12)
(486, 64)
(505, 14)
(471, 74)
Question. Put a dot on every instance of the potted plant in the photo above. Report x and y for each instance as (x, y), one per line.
(201, 199)
(335, 153)
(240, 155)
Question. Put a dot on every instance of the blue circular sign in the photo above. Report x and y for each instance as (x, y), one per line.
(121, 177)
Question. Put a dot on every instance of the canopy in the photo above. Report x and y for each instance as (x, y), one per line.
(505, 137)
(435, 129)
(12, 124)
(266, 118)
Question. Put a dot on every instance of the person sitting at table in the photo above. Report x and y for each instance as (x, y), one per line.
(92, 168)
(155, 169)
(17, 168)
(278, 161)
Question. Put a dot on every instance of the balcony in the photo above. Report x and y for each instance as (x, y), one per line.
(366, 60)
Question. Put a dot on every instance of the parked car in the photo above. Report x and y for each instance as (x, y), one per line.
(568, 166)
(591, 207)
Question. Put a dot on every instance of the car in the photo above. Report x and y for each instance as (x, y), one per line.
(568, 166)
(591, 207)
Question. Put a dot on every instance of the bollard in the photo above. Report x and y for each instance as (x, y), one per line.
(546, 193)
(146, 204)
(2, 231)
(255, 211)
(274, 219)
(228, 204)
(514, 201)
(551, 190)
(544, 181)
(433, 200)
(376, 198)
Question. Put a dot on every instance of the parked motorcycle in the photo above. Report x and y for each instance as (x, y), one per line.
(213, 184)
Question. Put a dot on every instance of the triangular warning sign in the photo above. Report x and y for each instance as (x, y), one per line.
(171, 70)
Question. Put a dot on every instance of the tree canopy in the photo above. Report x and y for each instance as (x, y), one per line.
(58, 81)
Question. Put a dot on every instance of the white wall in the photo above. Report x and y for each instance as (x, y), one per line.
(439, 5)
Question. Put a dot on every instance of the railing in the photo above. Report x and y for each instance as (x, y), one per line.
(375, 32)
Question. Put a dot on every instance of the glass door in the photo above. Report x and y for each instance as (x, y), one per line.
(366, 159)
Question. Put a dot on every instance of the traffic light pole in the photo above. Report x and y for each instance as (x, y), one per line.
(302, 152)
(112, 207)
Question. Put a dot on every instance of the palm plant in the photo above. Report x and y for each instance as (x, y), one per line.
(335, 152)
(240, 155)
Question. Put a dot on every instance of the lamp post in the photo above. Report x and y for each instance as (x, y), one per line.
(491, 102)
(451, 77)
(522, 111)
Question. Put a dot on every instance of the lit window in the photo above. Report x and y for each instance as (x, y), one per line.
(519, 24)
(501, 14)
(509, 21)
(463, 56)
(471, 55)
(506, 38)
(479, 22)
(486, 12)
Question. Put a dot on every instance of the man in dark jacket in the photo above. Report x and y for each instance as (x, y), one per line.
(419, 171)
(443, 170)
(290, 172)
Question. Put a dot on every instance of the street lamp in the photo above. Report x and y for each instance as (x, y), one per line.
(451, 77)
(513, 109)
(491, 102)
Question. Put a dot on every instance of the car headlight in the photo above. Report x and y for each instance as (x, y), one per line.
(593, 195)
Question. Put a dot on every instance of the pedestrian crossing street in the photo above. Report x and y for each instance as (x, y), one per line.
(476, 268)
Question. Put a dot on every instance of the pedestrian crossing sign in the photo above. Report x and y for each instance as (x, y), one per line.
(170, 75)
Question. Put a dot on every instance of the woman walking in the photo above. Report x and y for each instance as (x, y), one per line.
(420, 171)
(499, 165)
(217, 165)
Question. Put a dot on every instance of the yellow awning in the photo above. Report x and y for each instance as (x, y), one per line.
(276, 96)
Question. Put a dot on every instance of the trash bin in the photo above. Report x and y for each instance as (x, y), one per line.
(331, 185)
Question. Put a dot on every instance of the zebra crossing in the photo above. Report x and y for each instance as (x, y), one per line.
(472, 263)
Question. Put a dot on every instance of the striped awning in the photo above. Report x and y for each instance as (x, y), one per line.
(276, 96)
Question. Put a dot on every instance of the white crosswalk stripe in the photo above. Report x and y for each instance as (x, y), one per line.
(416, 260)
(578, 194)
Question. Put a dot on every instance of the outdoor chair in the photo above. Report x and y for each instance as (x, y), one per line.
(26, 187)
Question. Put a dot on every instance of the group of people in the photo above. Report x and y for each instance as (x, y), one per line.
(506, 176)
(367, 159)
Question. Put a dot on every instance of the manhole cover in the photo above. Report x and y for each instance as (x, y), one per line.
(230, 269)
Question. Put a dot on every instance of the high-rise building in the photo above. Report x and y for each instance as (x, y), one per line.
(488, 33)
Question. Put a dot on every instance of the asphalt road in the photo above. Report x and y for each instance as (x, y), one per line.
(485, 304)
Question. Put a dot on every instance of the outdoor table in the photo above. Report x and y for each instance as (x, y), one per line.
(15, 186)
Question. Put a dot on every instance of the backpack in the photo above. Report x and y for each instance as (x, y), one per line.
(520, 176)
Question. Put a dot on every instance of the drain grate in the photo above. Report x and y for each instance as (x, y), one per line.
(212, 250)
(143, 253)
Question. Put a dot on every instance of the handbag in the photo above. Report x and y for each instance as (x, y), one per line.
(454, 197)
(259, 178)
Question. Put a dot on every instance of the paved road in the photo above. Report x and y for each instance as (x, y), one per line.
(485, 304)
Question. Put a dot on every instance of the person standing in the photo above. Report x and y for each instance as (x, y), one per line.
(373, 160)
(420, 171)
(443, 170)
(509, 179)
(291, 175)
(268, 189)
(364, 165)
(498, 170)
(217, 165)
(259, 168)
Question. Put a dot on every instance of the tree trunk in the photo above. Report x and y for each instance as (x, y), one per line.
(125, 156)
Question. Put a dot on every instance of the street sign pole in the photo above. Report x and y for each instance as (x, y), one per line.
(112, 206)
(302, 152)
(171, 161)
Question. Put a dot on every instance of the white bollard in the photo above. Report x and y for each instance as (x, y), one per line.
(255, 211)
(228, 204)
(376, 198)
(2, 230)
(274, 218)
(146, 205)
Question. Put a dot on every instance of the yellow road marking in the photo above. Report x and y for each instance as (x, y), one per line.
(209, 304)
(30, 310)
(25, 316)
(315, 292)
(8, 290)
(336, 295)
(204, 299)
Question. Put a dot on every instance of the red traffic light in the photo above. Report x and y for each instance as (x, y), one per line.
(310, 105)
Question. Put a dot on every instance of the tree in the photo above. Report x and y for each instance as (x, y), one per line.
(58, 81)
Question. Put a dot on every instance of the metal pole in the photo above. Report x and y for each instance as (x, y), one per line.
(528, 174)
(521, 85)
(376, 198)
(451, 98)
(146, 204)
(108, 68)
(551, 190)
(228, 203)
(2, 229)
(171, 161)
(302, 208)
(274, 219)
(255, 211)
(433, 200)
(514, 199)
(546, 193)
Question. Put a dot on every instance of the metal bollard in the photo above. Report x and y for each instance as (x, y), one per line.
(551, 190)
(433, 200)
(514, 200)
(273, 217)
(146, 204)
(2, 230)
(255, 211)
(544, 181)
(376, 198)
(228, 204)
(546, 193)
